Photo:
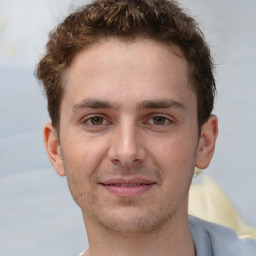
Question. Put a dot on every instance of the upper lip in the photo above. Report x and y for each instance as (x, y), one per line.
(136, 180)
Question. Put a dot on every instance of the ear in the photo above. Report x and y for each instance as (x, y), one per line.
(206, 145)
(52, 147)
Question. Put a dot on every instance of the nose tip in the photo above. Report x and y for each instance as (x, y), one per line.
(127, 160)
(127, 149)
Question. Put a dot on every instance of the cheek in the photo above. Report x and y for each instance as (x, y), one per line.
(82, 158)
(174, 154)
(84, 155)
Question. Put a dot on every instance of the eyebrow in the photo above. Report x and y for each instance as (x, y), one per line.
(93, 103)
(146, 104)
(155, 104)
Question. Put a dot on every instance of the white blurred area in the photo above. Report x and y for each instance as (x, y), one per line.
(37, 214)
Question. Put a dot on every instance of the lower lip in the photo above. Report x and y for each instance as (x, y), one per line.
(128, 191)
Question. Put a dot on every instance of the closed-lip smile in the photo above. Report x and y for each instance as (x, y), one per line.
(132, 187)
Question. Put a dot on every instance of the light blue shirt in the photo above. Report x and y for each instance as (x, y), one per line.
(214, 240)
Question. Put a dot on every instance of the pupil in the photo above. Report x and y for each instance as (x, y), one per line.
(96, 120)
(159, 120)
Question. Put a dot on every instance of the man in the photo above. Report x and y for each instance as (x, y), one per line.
(130, 91)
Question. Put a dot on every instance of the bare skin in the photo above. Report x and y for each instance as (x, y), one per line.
(128, 145)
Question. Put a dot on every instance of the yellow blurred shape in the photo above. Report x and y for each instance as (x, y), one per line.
(208, 201)
(11, 48)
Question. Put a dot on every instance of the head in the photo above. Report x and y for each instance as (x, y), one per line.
(129, 85)
(159, 20)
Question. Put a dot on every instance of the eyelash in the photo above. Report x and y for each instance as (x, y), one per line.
(166, 120)
(88, 121)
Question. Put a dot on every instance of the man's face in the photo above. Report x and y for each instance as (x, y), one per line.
(128, 134)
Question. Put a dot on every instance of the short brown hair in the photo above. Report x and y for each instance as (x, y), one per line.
(160, 20)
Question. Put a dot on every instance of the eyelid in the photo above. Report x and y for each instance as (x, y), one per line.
(85, 119)
(166, 116)
(166, 120)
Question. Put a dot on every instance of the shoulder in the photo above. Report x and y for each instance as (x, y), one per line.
(216, 240)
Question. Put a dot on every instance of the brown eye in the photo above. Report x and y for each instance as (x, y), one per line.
(159, 120)
(96, 120)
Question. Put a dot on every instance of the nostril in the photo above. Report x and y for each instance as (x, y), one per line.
(126, 165)
(116, 161)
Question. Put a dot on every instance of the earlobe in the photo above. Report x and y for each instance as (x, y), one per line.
(206, 145)
(52, 147)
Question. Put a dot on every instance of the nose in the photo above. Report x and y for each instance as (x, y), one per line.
(127, 146)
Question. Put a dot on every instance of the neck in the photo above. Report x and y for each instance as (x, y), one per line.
(168, 240)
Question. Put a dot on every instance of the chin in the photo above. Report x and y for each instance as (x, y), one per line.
(130, 220)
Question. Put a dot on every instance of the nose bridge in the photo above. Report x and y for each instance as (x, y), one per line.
(126, 145)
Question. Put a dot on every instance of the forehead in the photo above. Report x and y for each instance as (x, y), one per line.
(127, 72)
(146, 53)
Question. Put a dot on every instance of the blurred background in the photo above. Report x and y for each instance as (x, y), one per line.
(37, 213)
